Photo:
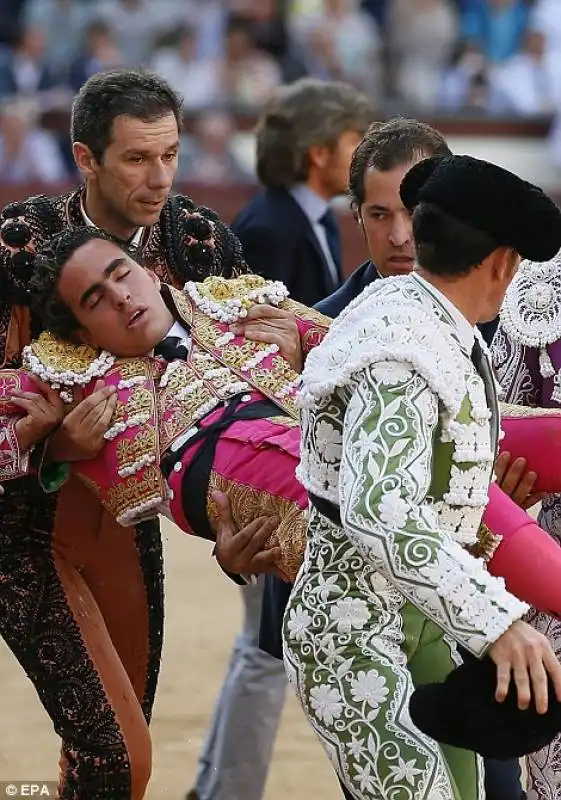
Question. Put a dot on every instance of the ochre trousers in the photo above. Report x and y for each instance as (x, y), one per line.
(82, 611)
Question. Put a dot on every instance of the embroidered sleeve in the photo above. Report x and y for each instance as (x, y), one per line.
(517, 368)
(312, 325)
(386, 472)
(13, 462)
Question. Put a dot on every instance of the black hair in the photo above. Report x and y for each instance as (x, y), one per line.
(108, 95)
(49, 262)
(446, 246)
(387, 145)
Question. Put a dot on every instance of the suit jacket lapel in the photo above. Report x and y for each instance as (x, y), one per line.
(304, 223)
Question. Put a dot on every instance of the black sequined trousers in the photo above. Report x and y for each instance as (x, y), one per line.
(81, 609)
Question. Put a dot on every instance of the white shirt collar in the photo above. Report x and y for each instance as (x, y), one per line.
(178, 331)
(313, 206)
(136, 239)
(466, 331)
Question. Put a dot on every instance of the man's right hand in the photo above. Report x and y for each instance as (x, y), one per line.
(241, 552)
(516, 481)
(528, 655)
(80, 436)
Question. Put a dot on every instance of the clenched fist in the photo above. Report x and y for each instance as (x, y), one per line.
(44, 411)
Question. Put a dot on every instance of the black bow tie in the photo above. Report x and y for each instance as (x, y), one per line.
(172, 348)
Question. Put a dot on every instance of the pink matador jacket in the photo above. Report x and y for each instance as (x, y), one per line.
(160, 405)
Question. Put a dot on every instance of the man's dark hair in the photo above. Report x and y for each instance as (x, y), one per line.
(108, 95)
(50, 260)
(446, 246)
(387, 145)
(304, 114)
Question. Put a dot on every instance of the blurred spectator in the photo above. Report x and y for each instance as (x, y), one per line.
(378, 9)
(62, 23)
(243, 78)
(408, 56)
(546, 19)
(268, 26)
(27, 153)
(496, 26)
(463, 80)
(196, 79)
(522, 83)
(23, 71)
(136, 24)
(208, 19)
(340, 41)
(99, 53)
(421, 36)
(209, 156)
(11, 14)
(249, 75)
(271, 33)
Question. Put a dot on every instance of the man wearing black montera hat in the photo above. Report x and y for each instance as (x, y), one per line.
(390, 399)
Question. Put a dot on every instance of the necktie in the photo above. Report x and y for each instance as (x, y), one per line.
(333, 234)
(172, 348)
(481, 364)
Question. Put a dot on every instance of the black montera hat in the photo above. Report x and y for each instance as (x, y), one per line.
(493, 200)
(462, 712)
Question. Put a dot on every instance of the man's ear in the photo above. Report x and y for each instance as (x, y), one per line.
(84, 159)
(505, 263)
(318, 155)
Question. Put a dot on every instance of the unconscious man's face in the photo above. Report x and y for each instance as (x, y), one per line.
(116, 302)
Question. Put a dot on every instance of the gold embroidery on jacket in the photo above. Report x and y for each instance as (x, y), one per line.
(248, 503)
(269, 381)
(139, 491)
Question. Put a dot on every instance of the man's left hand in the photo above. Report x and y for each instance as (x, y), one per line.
(242, 552)
(516, 481)
(273, 325)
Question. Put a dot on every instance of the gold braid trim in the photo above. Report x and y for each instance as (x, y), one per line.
(513, 411)
(486, 544)
(248, 503)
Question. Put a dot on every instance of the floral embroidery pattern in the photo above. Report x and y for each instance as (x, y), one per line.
(396, 432)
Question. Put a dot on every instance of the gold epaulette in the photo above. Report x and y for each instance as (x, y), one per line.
(64, 364)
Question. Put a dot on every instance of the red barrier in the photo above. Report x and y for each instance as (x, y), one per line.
(225, 200)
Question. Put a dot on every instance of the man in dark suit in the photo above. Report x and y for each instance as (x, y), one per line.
(305, 141)
(378, 166)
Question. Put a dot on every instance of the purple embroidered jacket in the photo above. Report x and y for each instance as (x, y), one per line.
(526, 351)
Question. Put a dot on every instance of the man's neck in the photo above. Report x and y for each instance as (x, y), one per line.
(98, 215)
(318, 187)
(460, 292)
